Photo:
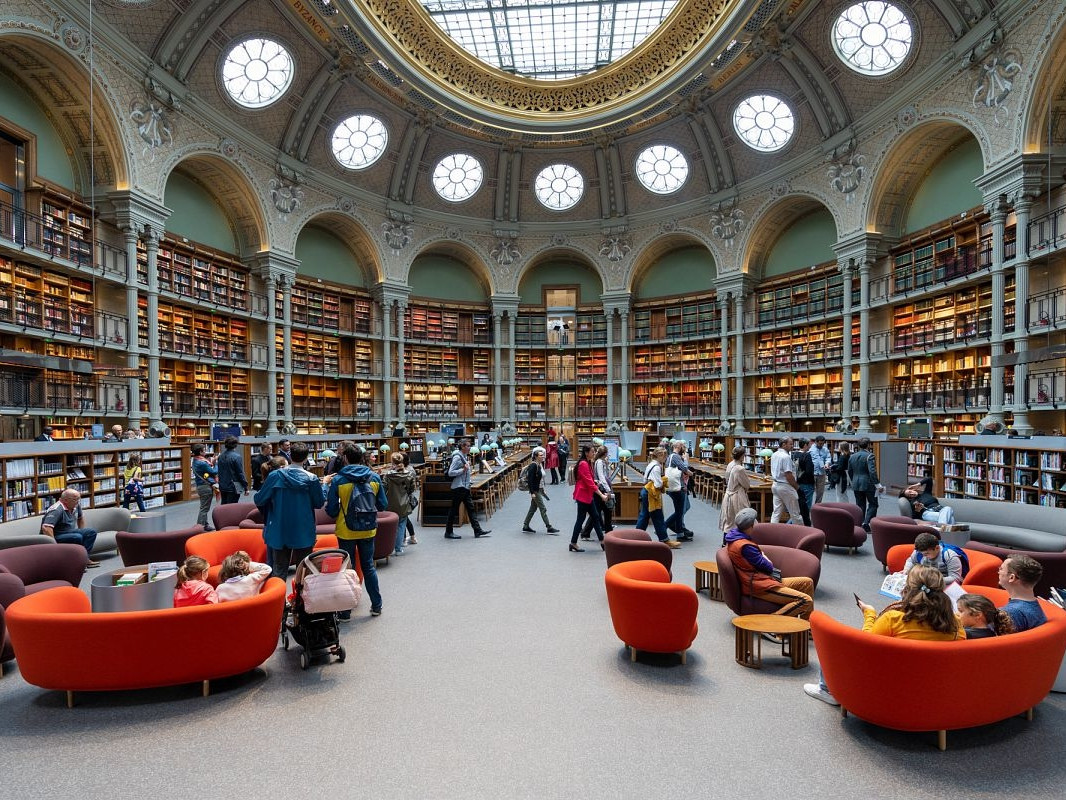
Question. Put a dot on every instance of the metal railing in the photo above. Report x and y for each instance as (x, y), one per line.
(26, 230)
(63, 393)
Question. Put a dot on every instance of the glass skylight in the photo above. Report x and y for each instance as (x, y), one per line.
(764, 122)
(359, 141)
(662, 169)
(256, 72)
(559, 187)
(872, 37)
(457, 177)
(548, 39)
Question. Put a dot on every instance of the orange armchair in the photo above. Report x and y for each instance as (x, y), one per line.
(650, 613)
(873, 677)
(63, 646)
(216, 545)
(984, 567)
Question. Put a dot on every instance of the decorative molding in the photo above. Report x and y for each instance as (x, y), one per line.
(995, 81)
(285, 194)
(397, 234)
(726, 224)
(505, 252)
(846, 170)
(153, 126)
(615, 248)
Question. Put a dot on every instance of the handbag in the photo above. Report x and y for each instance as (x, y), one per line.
(609, 502)
(413, 502)
(326, 592)
(673, 479)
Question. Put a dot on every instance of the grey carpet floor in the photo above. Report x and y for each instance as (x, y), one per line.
(494, 672)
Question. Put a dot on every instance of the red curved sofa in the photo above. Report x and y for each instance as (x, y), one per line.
(650, 613)
(63, 646)
(873, 677)
(984, 567)
(216, 545)
(1054, 564)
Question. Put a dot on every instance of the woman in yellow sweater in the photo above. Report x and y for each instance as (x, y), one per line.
(924, 612)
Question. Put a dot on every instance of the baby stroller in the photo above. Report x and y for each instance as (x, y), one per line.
(311, 617)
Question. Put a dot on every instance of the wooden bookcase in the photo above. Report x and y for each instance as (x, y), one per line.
(952, 380)
(1028, 472)
(676, 319)
(68, 229)
(46, 300)
(814, 295)
(463, 325)
(950, 318)
(197, 273)
(186, 331)
(804, 346)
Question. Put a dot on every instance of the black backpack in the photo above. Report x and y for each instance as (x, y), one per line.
(361, 511)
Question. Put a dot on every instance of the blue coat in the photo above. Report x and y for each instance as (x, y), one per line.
(288, 501)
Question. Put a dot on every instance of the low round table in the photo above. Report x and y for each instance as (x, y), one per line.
(795, 636)
(147, 522)
(106, 597)
(707, 578)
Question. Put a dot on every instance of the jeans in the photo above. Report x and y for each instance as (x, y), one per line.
(536, 503)
(785, 499)
(587, 510)
(283, 558)
(401, 532)
(206, 493)
(676, 521)
(86, 537)
(867, 503)
(655, 516)
(128, 498)
(945, 516)
(461, 497)
(806, 491)
(363, 550)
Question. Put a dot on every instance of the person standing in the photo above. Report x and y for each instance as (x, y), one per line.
(603, 473)
(231, 479)
(585, 489)
(287, 501)
(737, 483)
(285, 450)
(651, 499)
(355, 496)
(822, 458)
(64, 521)
(133, 486)
(399, 487)
(563, 445)
(459, 472)
(258, 460)
(785, 489)
(864, 481)
(805, 479)
(551, 458)
(535, 480)
(679, 495)
(839, 478)
(205, 481)
(411, 538)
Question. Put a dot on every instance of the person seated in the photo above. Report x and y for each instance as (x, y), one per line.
(192, 588)
(923, 613)
(1018, 574)
(240, 577)
(924, 504)
(64, 521)
(756, 573)
(928, 551)
(981, 618)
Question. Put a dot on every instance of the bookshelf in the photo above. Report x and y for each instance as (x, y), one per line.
(1026, 473)
(920, 459)
(953, 380)
(34, 297)
(676, 319)
(804, 346)
(465, 325)
(808, 295)
(198, 274)
(186, 331)
(950, 318)
(431, 401)
(67, 231)
(814, 393)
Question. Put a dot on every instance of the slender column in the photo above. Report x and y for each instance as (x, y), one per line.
(723, 309)
(133, 339)
(511, 317)
(497, 368)
(1022, 208)
(386, 355)
(609, 314)
(864, 346)
(271, 284)
(286, 338)
(401, 381)
(151, 246)
(623, 367)
(845, 405)
(998, 213)
(738, 360)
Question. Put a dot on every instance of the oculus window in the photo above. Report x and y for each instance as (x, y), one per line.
(662, 169)
(457, 177)
(256, 72)
(559, 187)
(548, 39)
(872, 37)
(359, 141)
(764, 122)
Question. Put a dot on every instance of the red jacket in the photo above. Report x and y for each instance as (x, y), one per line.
(584, 484)
(551, 458)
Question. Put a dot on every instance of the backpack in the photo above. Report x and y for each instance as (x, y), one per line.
(965, 559)
(361, 510)
(523, 479)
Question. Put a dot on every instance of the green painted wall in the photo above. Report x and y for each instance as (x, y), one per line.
(445, 278)
(806, 242)
(197, 215)
(323, 255)
(688, 270)
(53, 163)
(948, 187)
(565, 273)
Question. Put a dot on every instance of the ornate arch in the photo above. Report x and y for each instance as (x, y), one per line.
(903, 163)
(550, 250)
(352, 233)
(461, 252)
(661, 245)
(1046, 87)
(232, 184)
(771, 220)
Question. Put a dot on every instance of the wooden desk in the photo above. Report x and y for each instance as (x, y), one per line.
(795, 636)
(759, 495)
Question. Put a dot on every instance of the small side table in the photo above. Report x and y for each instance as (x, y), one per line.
(106, 597)
(147, 522)
(707, 578)
(795, 636)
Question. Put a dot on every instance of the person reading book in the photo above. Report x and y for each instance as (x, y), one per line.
(928, 551)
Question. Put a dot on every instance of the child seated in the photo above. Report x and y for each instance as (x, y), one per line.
(981, 618)
(192, 588)
(240, 577)
(930, 552)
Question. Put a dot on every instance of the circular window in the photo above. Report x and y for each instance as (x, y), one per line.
(359, 141)
(559, 187)
(764, 122)
(662, 169)
(256, 72)
(872, 37)
(457, 177)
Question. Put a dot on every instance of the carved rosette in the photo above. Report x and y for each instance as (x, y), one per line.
(397, 234)
(72, 37)
(230, 149)
(907, 116)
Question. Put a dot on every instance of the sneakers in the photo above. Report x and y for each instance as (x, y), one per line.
(344, 616)
(527, 529)
(92, 564)
(397, 552)
(552, 531)
(771, 637)
(375, 612)
(672, 544)
(412, 540)
(816, 691)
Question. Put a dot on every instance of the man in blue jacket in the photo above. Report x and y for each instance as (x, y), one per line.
(287, 502)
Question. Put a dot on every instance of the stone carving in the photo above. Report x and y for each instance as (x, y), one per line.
(153, 125)
(285, 194)
(397, 234)
(846, 171)
(346, 204)
(455, 234)
(615, 248)
(907, 116)
(727, 224)
(229, 148)
(668, 227)
(560, 239)
(995, 80)
(505, 252)
(72, 37)
(781, 188)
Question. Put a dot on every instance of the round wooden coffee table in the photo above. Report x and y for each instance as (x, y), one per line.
(795, 636)
(707, 578)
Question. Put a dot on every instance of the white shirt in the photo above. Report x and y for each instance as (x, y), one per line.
(780, 464)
